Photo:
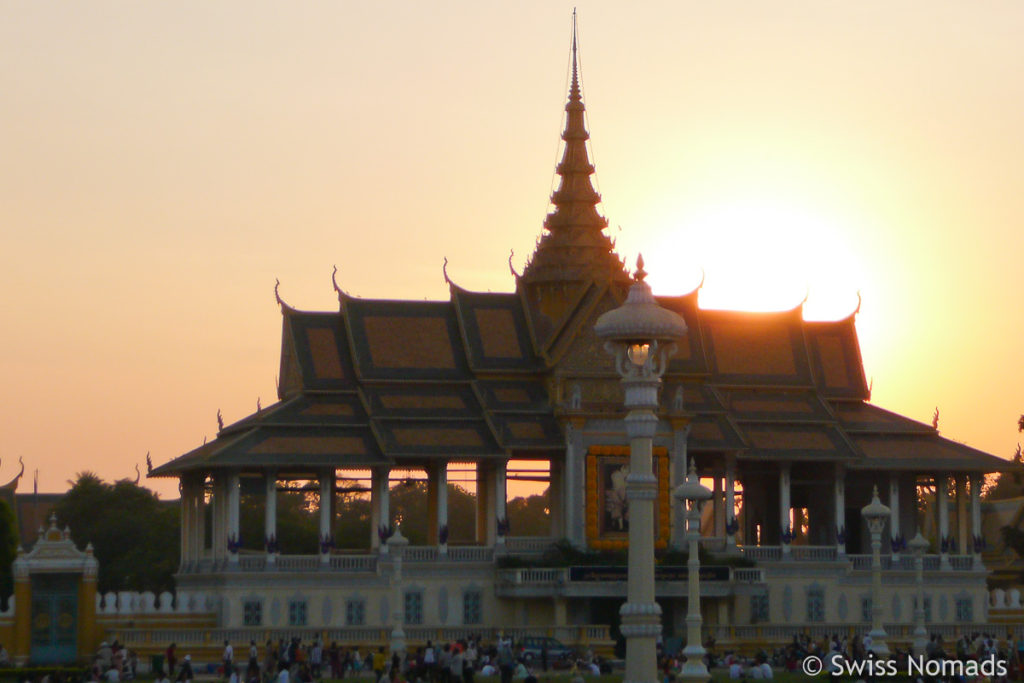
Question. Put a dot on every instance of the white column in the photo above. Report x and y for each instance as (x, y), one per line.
(218, 507)
(840, 515)
(976, 518)
(500, 495)
(326, 493)
(270, 513)
(199, 520)
(233, 512)
(942, 501)
(680, 465)
(961, 514)
(894, 508)
(380, 505)
(555, 501)
(441, 482)
(186, 522)
(574, 484)
(784, 505)
(719, 513)
(730, 500)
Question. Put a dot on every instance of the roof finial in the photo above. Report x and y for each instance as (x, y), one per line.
(511, 268)
(575, 88)
(334, 280)
(277, 296)
(149, 464)
(444, 270)
(220, 421)
(138, 474)
(859, 301)
(640, 273)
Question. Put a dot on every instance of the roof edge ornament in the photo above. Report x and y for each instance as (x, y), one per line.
(444, 271)
(13, 483)
(138, 474)
(511, 268)
(342, 294)
(149, 464)
(277, 296)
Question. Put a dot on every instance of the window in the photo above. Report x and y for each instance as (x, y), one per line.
(927, 608)
(355, 612)
(472, 612)
(758, 608)
(252, 611)
(865, 609)
(964, 609)
(297, 613)
(815, 604)
(414, 607)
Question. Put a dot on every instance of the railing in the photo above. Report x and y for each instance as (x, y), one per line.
(528, 544)
(780, 633)
(354, 563)
(421, 553)
(543, 575)
(745, 575)
(905, 562)
(814, 553)
(362, 635)
(471, 553)
(762, 552)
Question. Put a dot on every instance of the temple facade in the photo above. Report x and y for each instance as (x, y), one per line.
(773, 410)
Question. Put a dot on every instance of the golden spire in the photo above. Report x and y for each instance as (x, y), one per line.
(574, 246)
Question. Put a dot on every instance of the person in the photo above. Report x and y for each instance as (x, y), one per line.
(254, 657)
(112, 675)
(228, 657)
(186, 675)
(379, 661)
(456, 666)
(171, 659)
(282, 672)
(316, 658)
(506, 661)
(5, 657)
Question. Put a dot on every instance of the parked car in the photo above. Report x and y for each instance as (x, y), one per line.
(530, 649)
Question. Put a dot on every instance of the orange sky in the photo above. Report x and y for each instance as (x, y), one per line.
(163, 163)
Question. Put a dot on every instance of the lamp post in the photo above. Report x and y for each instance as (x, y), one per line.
(396, 546)
(875, 514)
(917, 546)
(692, 493)
(641, 336)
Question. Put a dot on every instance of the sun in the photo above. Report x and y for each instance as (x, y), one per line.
(759, 254)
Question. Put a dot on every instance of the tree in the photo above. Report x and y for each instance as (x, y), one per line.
(530, 516)
(1010, 484)
(8, 551)
(134, 535)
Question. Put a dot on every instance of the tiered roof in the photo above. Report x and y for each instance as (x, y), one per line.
(497, 375)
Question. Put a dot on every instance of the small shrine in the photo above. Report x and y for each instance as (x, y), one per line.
(54, 600)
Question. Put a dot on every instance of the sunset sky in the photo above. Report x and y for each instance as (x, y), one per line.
(163, 163)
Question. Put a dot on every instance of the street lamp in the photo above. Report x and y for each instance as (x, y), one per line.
(641, 336)
(875, 514)
(917, 546)
(692, 493)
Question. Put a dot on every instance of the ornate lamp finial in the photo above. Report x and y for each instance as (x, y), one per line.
(640, 273)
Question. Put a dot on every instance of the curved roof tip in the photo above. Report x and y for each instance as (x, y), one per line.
(277, 296)
(149, 464)
(342, 294)
(511, 268)
(444, 271)
(13, 483)
(138, 474)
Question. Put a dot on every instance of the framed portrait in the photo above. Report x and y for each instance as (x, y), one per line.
(607, 510)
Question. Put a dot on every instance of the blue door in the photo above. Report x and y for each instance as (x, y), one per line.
(54, 619)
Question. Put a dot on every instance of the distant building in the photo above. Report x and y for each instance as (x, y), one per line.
(773, 409)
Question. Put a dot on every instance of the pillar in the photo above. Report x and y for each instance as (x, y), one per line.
(199, 519)
(270, 514)
(555, 502)
(218, 508)
(233, 512)
(840, 505)
(680, 465)
(574, 484)
(380, 505)
(976, 519)
(87, 628)
(719, 516)
(437, 503)
(730, 501)
(484, 495)
(186, 522)
(22, 611)
(326, 495)
(784, 505)
(894, 510)
(501, 498)
(962, 528)
(942, 501)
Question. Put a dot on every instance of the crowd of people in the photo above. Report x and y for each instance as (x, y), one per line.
(296, 661)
